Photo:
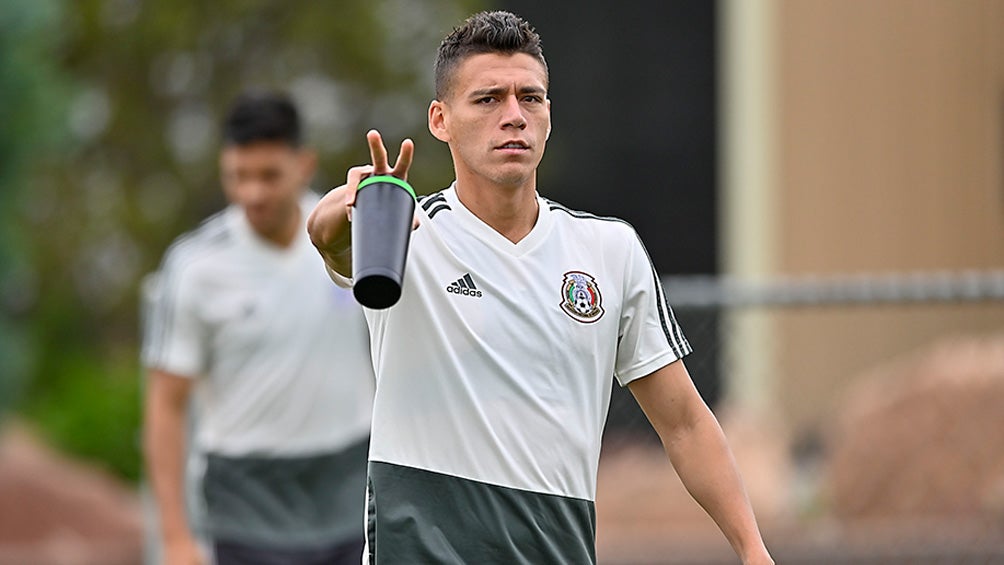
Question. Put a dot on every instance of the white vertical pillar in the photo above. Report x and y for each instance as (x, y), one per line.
(748, 209)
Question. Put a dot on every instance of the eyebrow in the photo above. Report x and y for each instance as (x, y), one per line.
(496, 90)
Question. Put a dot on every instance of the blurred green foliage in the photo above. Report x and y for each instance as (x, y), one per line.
(32, 96)
(150, 81)
(90, 409)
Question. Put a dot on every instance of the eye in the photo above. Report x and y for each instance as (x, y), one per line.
(484, 100)
(534, 98)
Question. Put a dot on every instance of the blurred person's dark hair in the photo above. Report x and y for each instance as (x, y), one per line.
(485, 32)
(262, 116)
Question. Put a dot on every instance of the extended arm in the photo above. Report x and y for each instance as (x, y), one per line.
(328, 224)
(164, 450)
(697, 448)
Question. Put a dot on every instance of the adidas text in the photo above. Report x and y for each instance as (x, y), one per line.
(464, 291)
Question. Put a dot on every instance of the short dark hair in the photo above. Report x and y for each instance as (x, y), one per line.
(262, 116)
(485, 32)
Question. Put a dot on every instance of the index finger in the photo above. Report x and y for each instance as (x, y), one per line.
(378, 153)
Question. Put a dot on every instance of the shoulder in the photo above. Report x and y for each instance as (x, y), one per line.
(435, 203)
(605, 226)
(202, 244)
(608, 235)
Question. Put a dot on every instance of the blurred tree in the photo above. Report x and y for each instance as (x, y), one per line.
(153, 79)
(32, 95)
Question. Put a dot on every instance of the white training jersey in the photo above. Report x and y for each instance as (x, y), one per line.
(281, 355)
(497, 363)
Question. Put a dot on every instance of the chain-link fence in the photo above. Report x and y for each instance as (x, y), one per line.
(866, 414)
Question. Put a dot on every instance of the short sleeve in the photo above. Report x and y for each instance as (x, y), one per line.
(174, 337)
(649, 336)
(338, 278)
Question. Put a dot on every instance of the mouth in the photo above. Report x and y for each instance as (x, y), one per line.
(257, 213)
(513, 146)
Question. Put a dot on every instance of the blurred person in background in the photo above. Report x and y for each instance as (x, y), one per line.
(244, 326)
(490, 404)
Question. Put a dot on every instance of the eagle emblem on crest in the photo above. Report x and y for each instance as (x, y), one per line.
(580, 297)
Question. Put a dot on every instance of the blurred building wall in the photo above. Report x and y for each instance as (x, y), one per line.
(862, 137)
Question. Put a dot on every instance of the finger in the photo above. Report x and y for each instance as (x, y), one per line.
(352, 180)
(404, 159)
(357, 174)
(378, 153)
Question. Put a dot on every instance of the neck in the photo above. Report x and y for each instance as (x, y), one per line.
(285, 234)
(511, 211)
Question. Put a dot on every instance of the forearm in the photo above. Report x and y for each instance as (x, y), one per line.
(697, 448)
(330, 231)
(165, 454)
(704, 462)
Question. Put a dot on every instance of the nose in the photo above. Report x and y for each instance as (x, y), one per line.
(252, 191)
(512, 116)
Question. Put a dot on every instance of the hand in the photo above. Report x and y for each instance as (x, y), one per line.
(184, 551)
(328, 223)
(380, 166)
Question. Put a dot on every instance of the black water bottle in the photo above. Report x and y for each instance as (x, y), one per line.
(381, 230)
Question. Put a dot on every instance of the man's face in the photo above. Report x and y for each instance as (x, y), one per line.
(266, 179)
(496, 118)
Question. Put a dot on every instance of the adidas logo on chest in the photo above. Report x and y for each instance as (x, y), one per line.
(464, 286)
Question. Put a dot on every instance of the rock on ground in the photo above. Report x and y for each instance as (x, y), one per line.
(923, 436)
(57, 511)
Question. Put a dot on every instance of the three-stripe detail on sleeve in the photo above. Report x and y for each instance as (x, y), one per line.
(183, 252)
(434, 203)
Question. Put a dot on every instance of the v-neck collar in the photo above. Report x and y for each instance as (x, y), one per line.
(491, 237)
(244, 230)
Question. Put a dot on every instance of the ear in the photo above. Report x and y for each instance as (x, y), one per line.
(548, 134)
(437, 121)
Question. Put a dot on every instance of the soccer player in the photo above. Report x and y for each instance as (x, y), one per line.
(245, 322)
(493, 370)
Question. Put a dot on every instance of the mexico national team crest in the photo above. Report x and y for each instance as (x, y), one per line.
(580, 297)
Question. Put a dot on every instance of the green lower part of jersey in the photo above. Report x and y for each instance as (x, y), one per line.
(286, 502)
(418, 516)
